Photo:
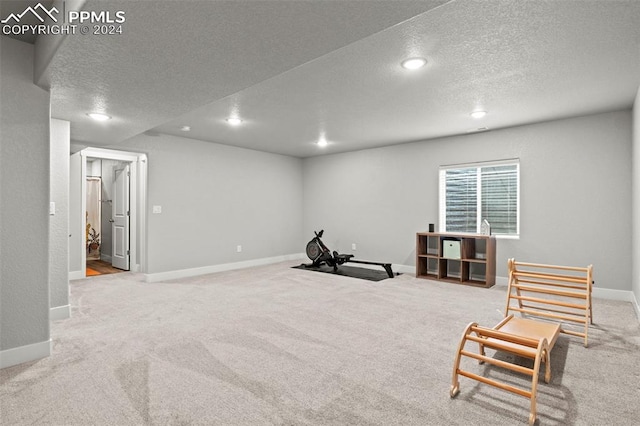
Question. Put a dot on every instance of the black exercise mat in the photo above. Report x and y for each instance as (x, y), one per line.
(350, 271)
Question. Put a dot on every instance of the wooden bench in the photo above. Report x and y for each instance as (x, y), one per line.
(537, 291)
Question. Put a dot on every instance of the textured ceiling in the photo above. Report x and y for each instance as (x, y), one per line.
(176, 56)
(297, 70)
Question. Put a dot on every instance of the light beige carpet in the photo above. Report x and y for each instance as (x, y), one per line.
(279, 346)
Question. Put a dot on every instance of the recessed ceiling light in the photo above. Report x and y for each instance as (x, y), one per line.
(98, 116)
(185, 128)
(414, 63)
(322, 142)
(234, 121)
(478, 114)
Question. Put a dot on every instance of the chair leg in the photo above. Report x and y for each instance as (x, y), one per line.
(543, 351)
(455, 383)
(547, 367)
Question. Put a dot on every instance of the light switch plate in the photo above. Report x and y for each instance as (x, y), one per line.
(157, 209)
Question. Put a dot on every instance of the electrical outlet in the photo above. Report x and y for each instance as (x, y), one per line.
(239, 249)
(353, 246)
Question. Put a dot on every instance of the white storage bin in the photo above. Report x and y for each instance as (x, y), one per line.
(451, 249)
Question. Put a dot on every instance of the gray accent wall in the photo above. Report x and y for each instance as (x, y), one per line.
(59, 222)
(575, 186)
(214, 198)
(24, 200)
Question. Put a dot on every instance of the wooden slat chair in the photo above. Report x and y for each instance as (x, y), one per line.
(526, 337)
(519, 336)
(560, 293)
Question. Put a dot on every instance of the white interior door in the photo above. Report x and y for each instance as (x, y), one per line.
(120, 218)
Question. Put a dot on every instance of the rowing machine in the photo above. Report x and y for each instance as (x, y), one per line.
(320, 253)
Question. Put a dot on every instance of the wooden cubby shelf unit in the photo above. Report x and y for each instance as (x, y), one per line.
(476, 264)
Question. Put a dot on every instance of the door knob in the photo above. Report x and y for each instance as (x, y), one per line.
(111, 220)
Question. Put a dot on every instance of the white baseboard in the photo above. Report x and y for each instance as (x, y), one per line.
(607, 293)
(105, 258)
(76, 275)
(602, 293)
(22, 354)
(59, 313)
(403, 269)
(502, 281)
(635, 304)
(193, 272)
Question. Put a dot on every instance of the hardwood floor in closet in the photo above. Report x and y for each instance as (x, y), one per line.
(100, 267)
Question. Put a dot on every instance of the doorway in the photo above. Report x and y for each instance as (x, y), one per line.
(107, 212)
(107, 216)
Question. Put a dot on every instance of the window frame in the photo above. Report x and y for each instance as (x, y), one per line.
(442, 210)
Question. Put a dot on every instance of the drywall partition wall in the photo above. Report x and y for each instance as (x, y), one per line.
(212, 198)
(24, 195)
(59, 219)
(76, 217)
(575, 194)
(636, 203)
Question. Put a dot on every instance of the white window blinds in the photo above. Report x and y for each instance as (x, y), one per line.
(470, 193)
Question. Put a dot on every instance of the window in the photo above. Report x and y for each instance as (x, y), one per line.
(470, 193)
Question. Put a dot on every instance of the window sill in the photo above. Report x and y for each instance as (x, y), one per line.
(506, 237)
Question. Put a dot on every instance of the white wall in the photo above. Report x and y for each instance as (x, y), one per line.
(47, 44)
(94, 167)
(24, 208)
(76, 217)
(59, 222)
(214, 198)
(636, 203)
(575, 186)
